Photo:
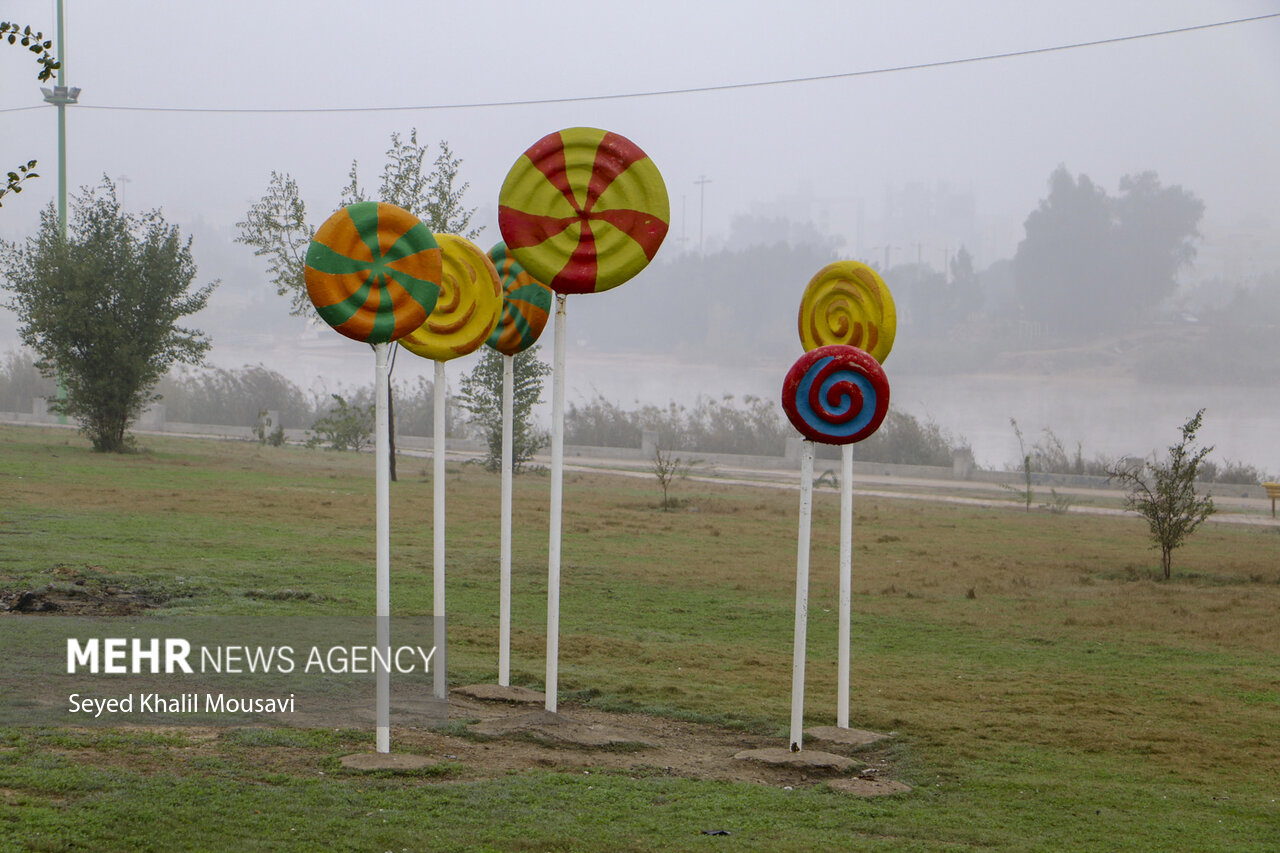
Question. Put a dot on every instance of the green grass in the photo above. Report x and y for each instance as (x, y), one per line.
(1047, 691)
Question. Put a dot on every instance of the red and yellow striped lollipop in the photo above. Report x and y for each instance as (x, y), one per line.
(469, 305)
(373, 272)
(583, 210)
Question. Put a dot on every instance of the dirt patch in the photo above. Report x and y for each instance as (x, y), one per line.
(862, 786)
(495, 738)
(560, 730)
(808, 759)
(487, 740)
(386, 761)
(81, 591)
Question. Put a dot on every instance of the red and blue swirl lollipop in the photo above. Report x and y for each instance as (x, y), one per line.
(836, 394)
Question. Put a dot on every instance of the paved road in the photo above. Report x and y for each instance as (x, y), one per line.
(1231, 510)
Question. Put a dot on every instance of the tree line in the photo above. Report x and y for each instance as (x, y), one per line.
(1090, 262)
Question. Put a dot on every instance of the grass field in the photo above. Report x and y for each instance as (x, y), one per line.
(1047, 691)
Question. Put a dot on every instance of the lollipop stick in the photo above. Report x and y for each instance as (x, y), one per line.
(382, 524)
(846, 579)
(557, 488)
(802, 597)
(504, 563)
(437, 537)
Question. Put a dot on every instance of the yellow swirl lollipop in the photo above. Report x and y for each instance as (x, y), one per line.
(469, 306)
(848, 303)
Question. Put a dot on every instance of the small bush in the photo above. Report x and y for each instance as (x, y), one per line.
(346, 427)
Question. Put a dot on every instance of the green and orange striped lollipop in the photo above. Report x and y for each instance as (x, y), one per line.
(526, 304)
(583, 210)
(373, 272)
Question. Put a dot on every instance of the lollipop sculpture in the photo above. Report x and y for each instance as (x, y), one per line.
(526, 304)
(846, 302)
(836, 393)
(373, 272)
(583, 210)
(464, 317)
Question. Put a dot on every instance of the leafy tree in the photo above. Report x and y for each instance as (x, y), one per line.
(276, 226)
(1165, 493)
(1060, 268)
(1093, 262)
(432, 197)
(1155, 228)
(36, 43)
(101, 308)
(481, 395)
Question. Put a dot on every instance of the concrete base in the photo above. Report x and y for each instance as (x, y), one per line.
(548, 726)
(805, 759)
(498, 693)
(386, 761)
(848, 737)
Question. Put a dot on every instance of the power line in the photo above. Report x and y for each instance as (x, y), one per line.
(942, 63)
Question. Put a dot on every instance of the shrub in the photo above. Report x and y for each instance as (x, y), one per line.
(345, 427)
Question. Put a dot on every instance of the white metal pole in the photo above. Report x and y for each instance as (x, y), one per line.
(557, 490)
(846, 580)
(504, 565)
(441, 684)
(802, 597)
(382, 524)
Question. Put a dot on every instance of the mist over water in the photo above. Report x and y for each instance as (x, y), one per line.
(1107, 416)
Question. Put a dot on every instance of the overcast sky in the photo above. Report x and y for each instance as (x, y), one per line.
(1202, 108)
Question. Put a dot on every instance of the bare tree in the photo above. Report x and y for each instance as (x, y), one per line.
(1164, 492)
(668, 468)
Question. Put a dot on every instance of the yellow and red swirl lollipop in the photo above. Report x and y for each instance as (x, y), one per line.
(848, 303)
(373, 272)
(469, 304)
(526, 304)
(583, 210)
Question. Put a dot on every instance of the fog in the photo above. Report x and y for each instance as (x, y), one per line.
(189, 107)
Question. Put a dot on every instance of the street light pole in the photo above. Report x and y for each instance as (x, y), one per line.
(61, 95)
(702, 182)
